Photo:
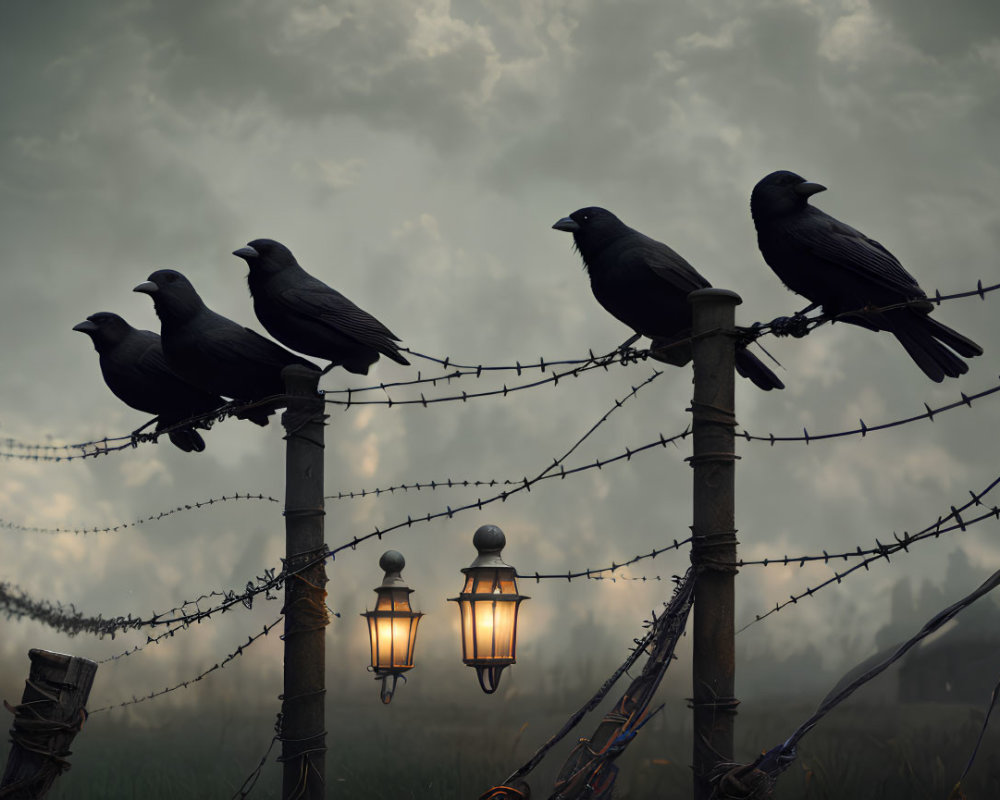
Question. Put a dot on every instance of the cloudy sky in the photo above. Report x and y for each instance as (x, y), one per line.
(414, 154)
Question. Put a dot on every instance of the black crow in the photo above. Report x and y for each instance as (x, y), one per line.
(305, 314)
(135, 370)
(839, 268)
(210, 350)
(645, 284)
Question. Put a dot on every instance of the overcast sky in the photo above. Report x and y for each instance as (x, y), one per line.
(414, 154)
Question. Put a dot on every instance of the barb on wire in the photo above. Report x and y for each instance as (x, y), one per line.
(212, 501)
(881, 550)
(864, 429)
(185, 684)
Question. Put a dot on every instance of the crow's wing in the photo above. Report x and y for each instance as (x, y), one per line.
(231, 343)
(665, 264)
(316, 300)
(842, 246)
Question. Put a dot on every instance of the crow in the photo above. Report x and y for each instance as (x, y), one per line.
(213, 352)
(136, 372)
(305, 314)
(645, 284)
(851, 276)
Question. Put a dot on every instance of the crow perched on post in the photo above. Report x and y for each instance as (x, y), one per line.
(851, 276)
(210, 350)
(645, 284)
(303, 313)
(136, 372)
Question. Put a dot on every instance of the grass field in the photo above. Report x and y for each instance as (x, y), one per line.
(419, 749)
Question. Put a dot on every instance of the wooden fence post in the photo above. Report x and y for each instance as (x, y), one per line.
(49, 716)
(303, 730)
(714, 532)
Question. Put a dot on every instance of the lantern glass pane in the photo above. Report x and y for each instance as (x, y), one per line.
(504, 618)
(414, 621)
(465, 606)
(385, 642)
(483, 610)
(372, 634)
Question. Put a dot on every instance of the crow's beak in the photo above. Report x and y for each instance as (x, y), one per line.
(567, 224)
(147, 287)
(246, 253)
(807, 188)
(86, 326)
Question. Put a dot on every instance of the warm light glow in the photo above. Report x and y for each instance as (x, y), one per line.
(392, 628)
(488, 606)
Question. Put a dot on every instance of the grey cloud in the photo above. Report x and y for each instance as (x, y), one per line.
(943, 30)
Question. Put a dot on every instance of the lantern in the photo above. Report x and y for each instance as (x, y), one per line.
(392, 626)
(488, 606)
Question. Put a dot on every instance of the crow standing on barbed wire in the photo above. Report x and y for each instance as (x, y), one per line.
(213, 352)
(305, 314)
(839, 268)
(645, 284)
(136, 372)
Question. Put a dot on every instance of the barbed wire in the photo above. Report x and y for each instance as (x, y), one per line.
(212, 501)
(799, 325)
(185, 684)
(864, 429)
(472, 370)
(622, 356)
(16, 602)
(881, 550)
(13, 449)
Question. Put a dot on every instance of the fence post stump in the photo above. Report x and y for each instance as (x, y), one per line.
(303, 729)
(49, 716)
(713, 529)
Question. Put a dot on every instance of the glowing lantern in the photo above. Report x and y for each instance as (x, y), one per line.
(488, 606)
(392, 626)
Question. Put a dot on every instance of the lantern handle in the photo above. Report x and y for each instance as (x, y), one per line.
(386, 693)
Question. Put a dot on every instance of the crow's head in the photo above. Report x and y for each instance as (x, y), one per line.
(174, 297)
(781, 193)
(104, 329)
(266, 257)
(593, 229)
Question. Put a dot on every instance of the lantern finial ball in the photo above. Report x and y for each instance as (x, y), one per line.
(489, 539)
(392, 561)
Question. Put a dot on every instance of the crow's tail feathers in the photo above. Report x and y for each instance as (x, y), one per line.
(749, 366)
(927, 342)
(393, 353)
